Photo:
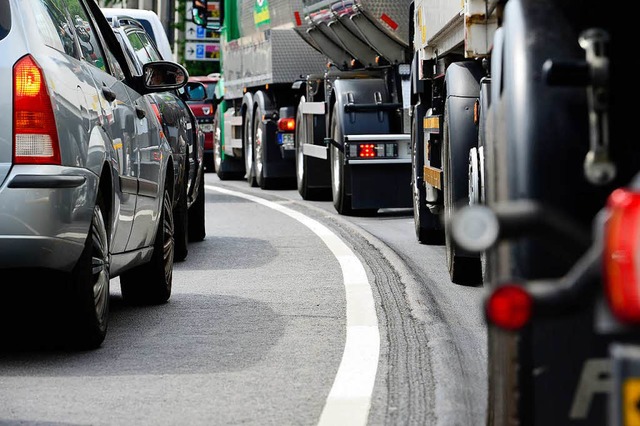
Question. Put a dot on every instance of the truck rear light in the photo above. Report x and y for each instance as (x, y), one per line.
(34, 127)
(621, 255)
(509, 307)
(287, 124)
(373, 150)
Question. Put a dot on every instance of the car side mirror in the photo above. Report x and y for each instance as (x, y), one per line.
(164, 75)
(195, 91)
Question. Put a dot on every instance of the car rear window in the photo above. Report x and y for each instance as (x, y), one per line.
(5, 18)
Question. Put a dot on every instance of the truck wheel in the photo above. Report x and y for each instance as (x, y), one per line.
(427, 225)
(247, 134)
(259, 149)
(150, 283)
(339, 174)
(88, 306)
(465, 270)
(196, 229)
(180, 220)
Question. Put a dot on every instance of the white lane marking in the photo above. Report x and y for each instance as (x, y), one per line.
(349, 400)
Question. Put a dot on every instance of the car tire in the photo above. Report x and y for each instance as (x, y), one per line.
(88, 306)
(197, 231)
(151, 282)
(181, 224)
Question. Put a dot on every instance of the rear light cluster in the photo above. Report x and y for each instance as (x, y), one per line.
(34, 126)
(287, 124)
(622, 255)
(373, 150)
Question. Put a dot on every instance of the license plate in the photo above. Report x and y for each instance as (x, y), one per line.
(207, 128)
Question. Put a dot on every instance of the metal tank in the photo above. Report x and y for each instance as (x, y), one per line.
(358, 33)
(268, 50)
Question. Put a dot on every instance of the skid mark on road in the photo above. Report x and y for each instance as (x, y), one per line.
(350, 397)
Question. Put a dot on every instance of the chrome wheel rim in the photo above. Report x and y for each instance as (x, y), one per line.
(100, 266)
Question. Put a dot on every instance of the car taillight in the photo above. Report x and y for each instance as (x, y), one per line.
(287, 124)
(35, 139)
(621, 251)
(509, 307)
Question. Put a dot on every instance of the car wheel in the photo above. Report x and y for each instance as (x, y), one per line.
(197, 230)
(150, 283)
(89, 302)
(181, 223)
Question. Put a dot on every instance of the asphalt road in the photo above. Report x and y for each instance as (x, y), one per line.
(286, 314)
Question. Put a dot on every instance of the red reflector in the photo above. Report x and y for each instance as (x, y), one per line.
(367, 150)
(287, 124)
(509, 307)
(390, 22)
(296, 14)
(35, 134)
(621, 251)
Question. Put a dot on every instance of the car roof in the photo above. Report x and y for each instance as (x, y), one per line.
(204, 78)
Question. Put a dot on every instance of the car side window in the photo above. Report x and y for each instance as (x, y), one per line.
(150, 47)
(87, 35)
(54, 26)
(132, 61)
(138, 47)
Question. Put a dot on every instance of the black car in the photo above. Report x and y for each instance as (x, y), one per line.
(182, 131)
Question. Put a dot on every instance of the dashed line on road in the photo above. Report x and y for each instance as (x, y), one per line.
(349, 400)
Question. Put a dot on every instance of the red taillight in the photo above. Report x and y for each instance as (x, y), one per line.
(621, 251)
(287, 124)
(367, 150)
(509, 307)
(35, 133)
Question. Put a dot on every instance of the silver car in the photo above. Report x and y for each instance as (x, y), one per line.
(86, 173)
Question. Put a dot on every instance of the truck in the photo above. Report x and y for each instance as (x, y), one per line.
(507, 106)
(261, 57)
(317, 90)
(521, 141)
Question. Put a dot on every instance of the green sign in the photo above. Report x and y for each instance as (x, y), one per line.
(261, 13)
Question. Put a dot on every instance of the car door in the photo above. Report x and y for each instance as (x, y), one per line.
(117, 118)
(149, 131)
(179, 114)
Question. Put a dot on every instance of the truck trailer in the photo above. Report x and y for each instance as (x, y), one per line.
(261, 57)
(519, 105)
(318, 90)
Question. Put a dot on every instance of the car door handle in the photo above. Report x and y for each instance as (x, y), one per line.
(140, 113)
(109, 94)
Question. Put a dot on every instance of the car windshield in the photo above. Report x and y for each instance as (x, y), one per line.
(5, 18)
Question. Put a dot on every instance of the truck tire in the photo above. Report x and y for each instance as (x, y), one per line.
(339, 172)
(150, 283)
(427, 225)
(260, 141)
(463, 269)
(247, 140)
